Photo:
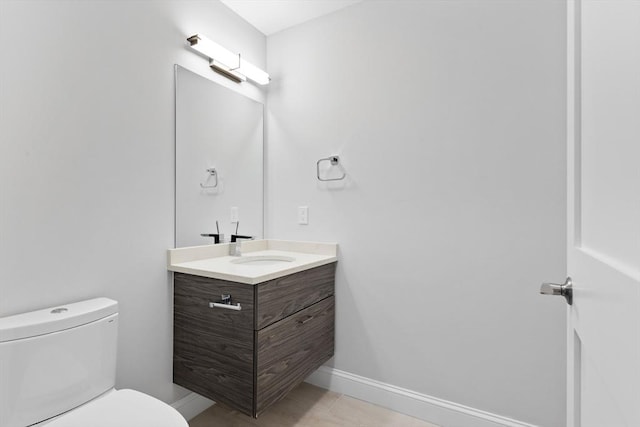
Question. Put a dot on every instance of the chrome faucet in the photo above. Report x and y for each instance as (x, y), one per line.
(235, 247)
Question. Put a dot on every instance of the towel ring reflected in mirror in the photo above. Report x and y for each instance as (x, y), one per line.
(212, 173)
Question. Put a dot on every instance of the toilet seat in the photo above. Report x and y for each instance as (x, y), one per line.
(120, 408)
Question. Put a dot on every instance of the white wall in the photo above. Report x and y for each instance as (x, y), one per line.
(87, 159)
(449, 118)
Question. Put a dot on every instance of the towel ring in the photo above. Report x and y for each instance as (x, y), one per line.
(212, 173)
(335, 160)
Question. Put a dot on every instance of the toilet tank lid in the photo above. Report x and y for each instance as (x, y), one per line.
(55, 319)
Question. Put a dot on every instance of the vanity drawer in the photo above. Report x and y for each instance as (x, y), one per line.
(291, 349)
(192, 295)
(286, 295)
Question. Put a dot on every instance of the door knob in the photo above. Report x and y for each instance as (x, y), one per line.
(565, 290)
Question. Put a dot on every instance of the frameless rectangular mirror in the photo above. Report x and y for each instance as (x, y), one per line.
(219, 161)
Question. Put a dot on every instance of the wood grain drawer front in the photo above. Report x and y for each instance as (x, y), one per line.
(281, 297)
(192, 295)
(215, 365)
(289, 350)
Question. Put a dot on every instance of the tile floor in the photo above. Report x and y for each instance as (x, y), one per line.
(310, 406)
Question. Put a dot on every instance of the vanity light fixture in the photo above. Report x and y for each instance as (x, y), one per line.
(227, 63)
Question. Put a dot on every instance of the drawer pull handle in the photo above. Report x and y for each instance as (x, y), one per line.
(302, 322)
(227, 306)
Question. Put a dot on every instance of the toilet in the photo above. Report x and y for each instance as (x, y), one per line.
(58, 369)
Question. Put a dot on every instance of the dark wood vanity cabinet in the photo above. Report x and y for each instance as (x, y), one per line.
(251, 358)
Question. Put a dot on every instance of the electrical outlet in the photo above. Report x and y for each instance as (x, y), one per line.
(234, 214)
(303, 215)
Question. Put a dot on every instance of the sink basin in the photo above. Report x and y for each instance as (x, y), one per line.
(262, 260)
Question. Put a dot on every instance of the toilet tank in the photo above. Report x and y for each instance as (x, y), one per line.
(56, 359)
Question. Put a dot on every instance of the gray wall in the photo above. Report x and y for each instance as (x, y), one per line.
(449, 118)
(87, 159)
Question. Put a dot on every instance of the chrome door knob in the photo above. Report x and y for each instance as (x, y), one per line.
(565, 290)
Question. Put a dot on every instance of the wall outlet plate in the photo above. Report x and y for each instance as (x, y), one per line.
(235, 216)
(303, 215)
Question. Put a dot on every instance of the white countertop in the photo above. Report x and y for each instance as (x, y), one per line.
(213, 260)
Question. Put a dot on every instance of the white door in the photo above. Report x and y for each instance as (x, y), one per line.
(604, 213)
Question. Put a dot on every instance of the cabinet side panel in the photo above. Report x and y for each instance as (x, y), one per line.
(204, 370)
(291, 349)
(192, 295)
(213, 353)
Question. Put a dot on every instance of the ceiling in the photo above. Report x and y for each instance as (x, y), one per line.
(271, 16)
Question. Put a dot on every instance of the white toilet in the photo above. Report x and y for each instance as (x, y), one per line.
(58, 369)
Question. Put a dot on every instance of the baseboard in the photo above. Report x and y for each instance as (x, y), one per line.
(422, 406)
(191, 405)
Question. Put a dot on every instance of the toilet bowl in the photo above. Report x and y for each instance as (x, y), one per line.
(120, 408)
(57, 369)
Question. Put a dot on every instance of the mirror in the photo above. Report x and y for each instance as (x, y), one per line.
(219, 161)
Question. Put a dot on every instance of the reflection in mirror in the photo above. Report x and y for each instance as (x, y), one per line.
(219, 161)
